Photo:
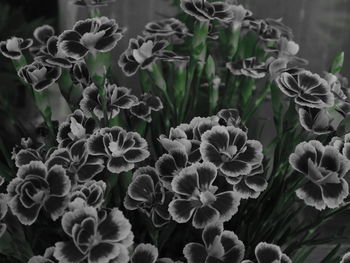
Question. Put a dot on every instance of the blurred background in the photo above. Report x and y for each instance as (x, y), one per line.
(320, 28)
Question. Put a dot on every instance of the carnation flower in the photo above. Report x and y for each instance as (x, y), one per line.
(39, 75)
(94, 237)
(29, 151)
(41, 35)
(317, 121)
(342, 145)
(146, 105)
(230, 117)
(3, 212)
(198, 197)
(204, 10)
(239, 14)
(324, 168)
(306, 88)
(230, 150)
(46, 258)
(268, 253)
(170, 164)
(77, 126)
(90, 194)
(345, 258)
(53, 56)
(189, 136)
(142, 52)
(122, 149)
(270, 30)
(80, 166)
(171, 28)
(80, 74)
(13, 47)
(147, 253)
(219, 246)
(147, 194)
(339, 87)
(248, 67)
(36, 188)
(116, 98)
(99, 34)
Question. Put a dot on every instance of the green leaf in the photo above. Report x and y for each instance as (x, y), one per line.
(337, 64)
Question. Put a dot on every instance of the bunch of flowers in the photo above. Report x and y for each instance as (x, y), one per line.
(179, 173)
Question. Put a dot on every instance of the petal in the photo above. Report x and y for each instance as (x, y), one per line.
(58, 181)
(303, 152)
(95, 145)
(312, 195)
(136, 155)
(257, 183)
(210, 232)
(234, 248)
(195, 253)
(267, 253)
(43, 33)
(34, 168)
(330, 159)
(204, 216)
(346, 258)
(217, 136)
(226, 204)
(103, 253)
(73, 49)
(252, 153)
(181, 210)
(78, 150)
(89, 171)
(206, 175)
(25, 156)
(107, 43)
(67, 252)
(26, 216)
(186, 183)
(69, 219)
(288, 84)
(115, 227)
(236, 168)
(118, 165)
(56, 206)
(210, 153)
(141, 188)
(334, 194)
(144, 253)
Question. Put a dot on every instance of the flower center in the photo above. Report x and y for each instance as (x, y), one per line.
(39, 196)
(229, 153)
(77, 130)
(12, 45)
(115, 149)
(144, 52)
(90, 39)
(207, 197)
(38, 74)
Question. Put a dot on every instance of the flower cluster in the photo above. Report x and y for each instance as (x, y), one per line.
(200, 189)
(185, 178)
